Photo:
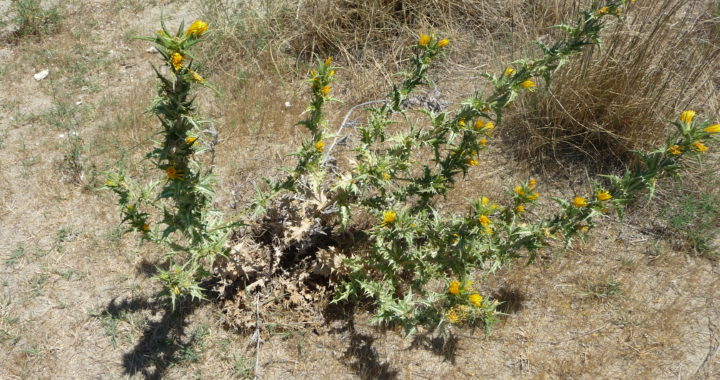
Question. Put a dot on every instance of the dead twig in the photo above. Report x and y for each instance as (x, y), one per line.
(257, 336)
(344, 122)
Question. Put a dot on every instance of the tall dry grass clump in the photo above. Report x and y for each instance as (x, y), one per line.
(615, 99)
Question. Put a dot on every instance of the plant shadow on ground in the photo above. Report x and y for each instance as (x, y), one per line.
(162, 344)
(165, 339)
(362, 356)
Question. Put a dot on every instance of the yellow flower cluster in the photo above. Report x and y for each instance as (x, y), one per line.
(687, 116)
(675, 150)
(476, 299)
(177, 61)
(389, 217)
(319, 146)
(579, 202)
(454, 287)
(425, 40)
(699, 146)
(484, 220)
(604, 195)
(528, 85)
(197, 78)
(173, 173)
(197, 28)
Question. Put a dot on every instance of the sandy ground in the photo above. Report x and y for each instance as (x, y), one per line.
(76, 299)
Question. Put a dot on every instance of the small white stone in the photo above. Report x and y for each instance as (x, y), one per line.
(79, 102)
(61, 136)
(287, 104)
(42, 75)
(151, 50)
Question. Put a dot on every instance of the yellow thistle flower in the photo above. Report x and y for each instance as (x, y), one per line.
(533, 196)
(197, 28)
(584, 228)
(509, 72)
(332, 73)
(443, 42)
(528, 84)
(520, 208)
(190, 140)
(452, 316)
(489, 125)
(603, 11)
(454, 287)
(424, 40)
(173, 173)
(319, 146)
(328, 61)
(456, 240)
(476, 299)
(146, 227)
(687, 116)
(461, 122)
(483, 141)
(532, 183)
(175, 290)
(519, 190)
(176, 60)
(700, 146)
(386, 176)
(715, 128)
(485, 201)
(389, 217)
(675, 150)
(472, 162)
(325, 90)
(479, 124)
(579, 202)
(604, 195)
(197, 77)
(489, 230)
(484, 220)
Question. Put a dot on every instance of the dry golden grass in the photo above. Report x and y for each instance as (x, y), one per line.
(620, 97)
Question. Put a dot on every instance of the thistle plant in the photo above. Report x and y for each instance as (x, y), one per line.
(176, 212)
(417, 263)
(413, 263)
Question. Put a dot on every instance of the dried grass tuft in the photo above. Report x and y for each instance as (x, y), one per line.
(620, 97)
